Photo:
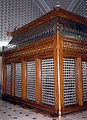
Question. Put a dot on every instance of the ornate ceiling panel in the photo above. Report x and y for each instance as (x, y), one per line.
(63, 3)
(16, 13)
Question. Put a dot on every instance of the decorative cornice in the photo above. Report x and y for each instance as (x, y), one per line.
(45, 46)
(35, 49)
(72, 45)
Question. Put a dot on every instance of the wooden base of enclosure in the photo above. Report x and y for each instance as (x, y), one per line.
(43, 108)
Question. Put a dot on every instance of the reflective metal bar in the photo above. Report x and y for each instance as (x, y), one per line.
(31, 80)
(69, 81)
(18, 79)
(84, 78)
(47, 66)
(8, 79)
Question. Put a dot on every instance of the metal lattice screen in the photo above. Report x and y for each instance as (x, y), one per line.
(31, 80)
(84, 78)
(48, 95)
(8, 79)
(69, 81)
(18, 80)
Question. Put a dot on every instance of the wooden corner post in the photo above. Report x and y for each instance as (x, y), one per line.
(4, 79)
(3, 82)
(24, 91)
(79, 89)
(12, 78)
(38, 80)
(58, 72)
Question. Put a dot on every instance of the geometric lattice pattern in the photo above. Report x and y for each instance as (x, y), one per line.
(31, 80)
(69, 81)
(84, 78)
(47, 67)
(8, 79)
(18, 79)
(16, 13)
(82, 9)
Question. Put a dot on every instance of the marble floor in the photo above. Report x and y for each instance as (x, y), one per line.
(9, 111)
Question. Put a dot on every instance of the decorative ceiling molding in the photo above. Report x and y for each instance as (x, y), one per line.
(74, 5)
(78, 5)
(42, 5)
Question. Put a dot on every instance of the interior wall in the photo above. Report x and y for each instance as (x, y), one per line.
(0, 73)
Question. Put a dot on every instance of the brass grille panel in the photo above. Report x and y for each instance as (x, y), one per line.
(84, 77)
(31, 80)
(69, 81)
(48, 95)
(8, 79)
(18, 80)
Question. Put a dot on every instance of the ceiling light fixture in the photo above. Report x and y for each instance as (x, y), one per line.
(3, 43)
(57, 4)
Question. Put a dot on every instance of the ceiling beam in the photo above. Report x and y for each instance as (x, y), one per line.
(42, 5)
(74, 4)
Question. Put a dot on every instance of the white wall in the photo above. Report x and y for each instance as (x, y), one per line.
(0, 67)
(0, 71)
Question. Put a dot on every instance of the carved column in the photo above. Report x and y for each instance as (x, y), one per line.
(3, 73)
(12, 78)
(79, 89)
(58, 72)
(38, 80)
(23, 79)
